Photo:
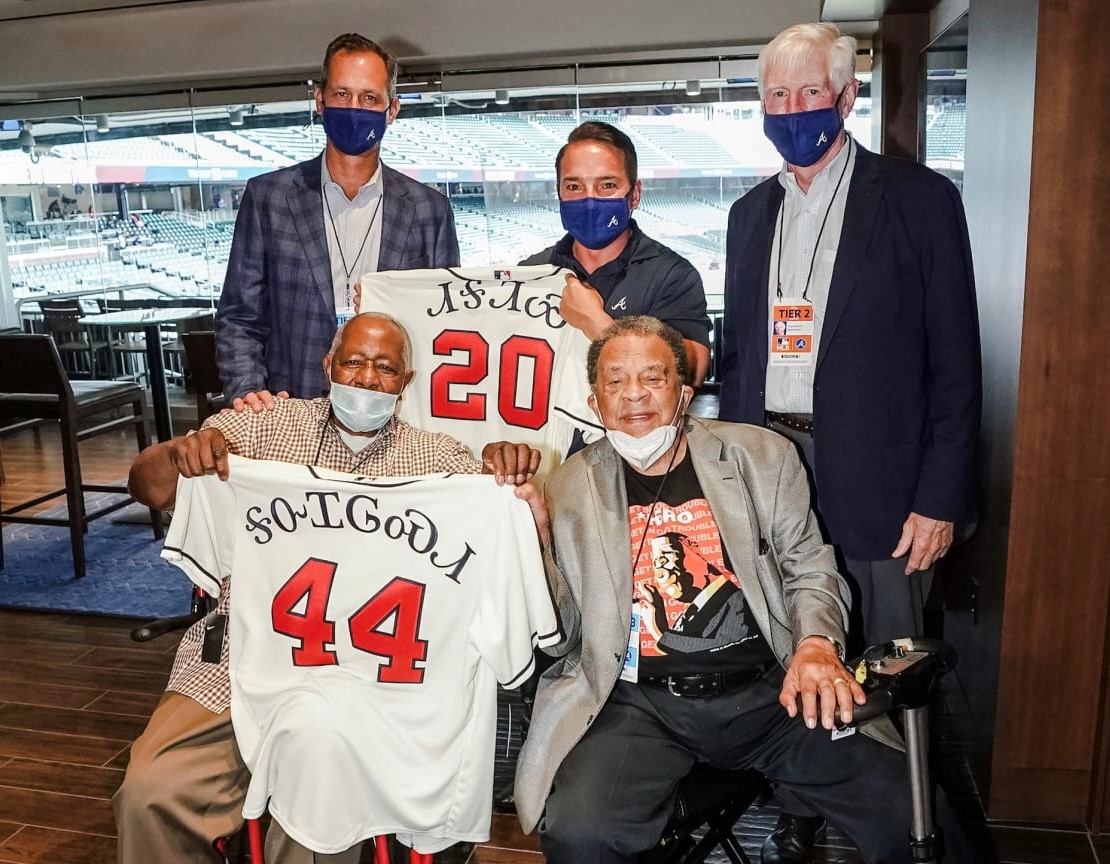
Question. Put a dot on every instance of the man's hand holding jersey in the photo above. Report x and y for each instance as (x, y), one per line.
(510, 463)
(203, 452)
(153, 477)
(517, 464)
(582, 307)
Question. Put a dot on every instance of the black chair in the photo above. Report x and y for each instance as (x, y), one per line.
(710, 801)
(87, 354)
(202, 372)
(200, 361)
(174, 347)
(127, 347)
(34, 386)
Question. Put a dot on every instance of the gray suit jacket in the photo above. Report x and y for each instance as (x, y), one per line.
(757, 488)
(276, 316)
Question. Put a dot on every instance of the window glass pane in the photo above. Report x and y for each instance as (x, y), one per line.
(700, 145)
(228, 145)
(144, 202)
(946, 103)
(50, 209)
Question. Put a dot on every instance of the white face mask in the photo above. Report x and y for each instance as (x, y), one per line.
(643, 452)
(359, 409)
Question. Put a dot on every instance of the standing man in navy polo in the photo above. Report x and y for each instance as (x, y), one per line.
(620, 270)
(851, 327)
(305, 234)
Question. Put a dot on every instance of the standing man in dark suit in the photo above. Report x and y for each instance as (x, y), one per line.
(866, 260)
(306, 233)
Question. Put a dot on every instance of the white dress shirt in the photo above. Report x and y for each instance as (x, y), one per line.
(346, 227)
(790, 388)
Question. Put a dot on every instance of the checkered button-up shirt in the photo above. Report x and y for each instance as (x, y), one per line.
(299, 431)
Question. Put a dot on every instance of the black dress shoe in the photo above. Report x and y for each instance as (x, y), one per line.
(505, 804)
(792, 840)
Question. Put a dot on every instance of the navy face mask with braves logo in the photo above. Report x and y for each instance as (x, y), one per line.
(354, 130)
(595, 222)
(803, 137)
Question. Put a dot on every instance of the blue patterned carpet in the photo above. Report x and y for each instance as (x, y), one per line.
(124, 574)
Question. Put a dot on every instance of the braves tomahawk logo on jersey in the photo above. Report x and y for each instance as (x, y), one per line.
(373, 619)
(494, 360)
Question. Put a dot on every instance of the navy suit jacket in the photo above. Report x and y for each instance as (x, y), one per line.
(276, 316)
(897, 389)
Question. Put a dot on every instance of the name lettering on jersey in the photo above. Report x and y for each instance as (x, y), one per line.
(360, 513)
(510, 294)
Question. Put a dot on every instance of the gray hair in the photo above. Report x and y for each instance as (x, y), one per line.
(794, 46)
(406, 340)
(639, 325)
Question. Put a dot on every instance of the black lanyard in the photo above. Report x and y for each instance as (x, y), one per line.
(339, 243)
(821, 231)
(362, 455)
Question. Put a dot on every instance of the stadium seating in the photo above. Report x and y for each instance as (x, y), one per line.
(683, 156)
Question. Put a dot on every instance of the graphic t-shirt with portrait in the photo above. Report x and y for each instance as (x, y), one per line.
(693, 616)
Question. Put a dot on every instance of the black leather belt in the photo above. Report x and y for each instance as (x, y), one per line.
(798, 422)
(707, 684)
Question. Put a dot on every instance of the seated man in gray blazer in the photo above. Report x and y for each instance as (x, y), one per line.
(305, 234)
(669, 523)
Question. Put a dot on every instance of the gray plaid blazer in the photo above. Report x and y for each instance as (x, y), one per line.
(276, 316)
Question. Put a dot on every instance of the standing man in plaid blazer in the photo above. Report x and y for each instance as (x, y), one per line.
(305, 234)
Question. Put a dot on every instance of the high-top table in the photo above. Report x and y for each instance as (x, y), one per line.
(150, 322)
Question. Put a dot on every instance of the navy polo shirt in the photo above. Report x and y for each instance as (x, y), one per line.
(647, 278)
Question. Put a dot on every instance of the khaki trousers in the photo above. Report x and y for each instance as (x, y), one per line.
(184, 787)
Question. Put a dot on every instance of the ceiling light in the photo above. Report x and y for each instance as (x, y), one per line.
(25, 141)
(501, 97)
(693, 88)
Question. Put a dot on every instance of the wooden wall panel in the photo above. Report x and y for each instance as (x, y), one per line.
(1055, 613)
(902, 38)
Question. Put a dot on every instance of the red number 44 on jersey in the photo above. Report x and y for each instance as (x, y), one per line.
(400, 599)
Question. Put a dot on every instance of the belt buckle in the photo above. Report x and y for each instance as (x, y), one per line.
(670, 686)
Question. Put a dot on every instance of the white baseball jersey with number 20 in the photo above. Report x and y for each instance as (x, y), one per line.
(494, 360)
(371, 621)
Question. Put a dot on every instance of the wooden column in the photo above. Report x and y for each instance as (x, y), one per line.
(902, 38)
(1047, 762)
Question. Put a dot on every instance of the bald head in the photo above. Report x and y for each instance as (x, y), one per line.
(372, 350)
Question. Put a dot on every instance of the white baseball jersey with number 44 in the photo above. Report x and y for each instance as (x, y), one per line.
(494, 360)
(371, 621)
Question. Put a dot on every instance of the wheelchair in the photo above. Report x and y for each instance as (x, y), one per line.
(896, 676)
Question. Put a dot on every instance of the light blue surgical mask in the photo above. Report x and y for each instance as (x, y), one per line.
(360, 409)
(644, 451)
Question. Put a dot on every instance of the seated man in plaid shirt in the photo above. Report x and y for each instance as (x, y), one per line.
(185, 782)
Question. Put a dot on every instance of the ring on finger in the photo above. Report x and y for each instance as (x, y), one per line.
(839, 681)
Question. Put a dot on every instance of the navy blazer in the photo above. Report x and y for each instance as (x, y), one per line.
(276, 316)
(897, 390)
